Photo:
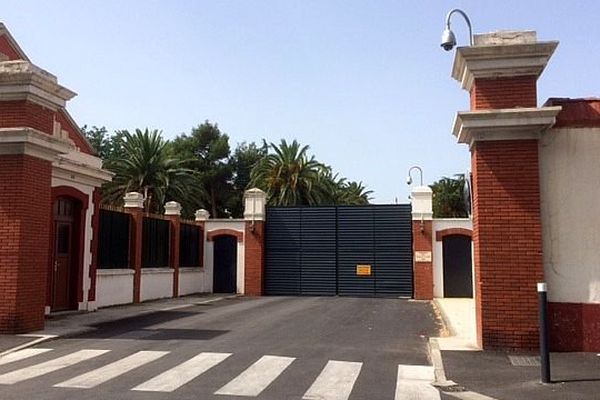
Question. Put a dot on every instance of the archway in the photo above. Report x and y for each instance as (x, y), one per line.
(458, 272)
(225, 264)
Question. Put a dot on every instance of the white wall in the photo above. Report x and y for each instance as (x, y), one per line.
(157, 283)
(570, 194)
(88, 233)
(440, 224)
(214, 225)
(193, 280)
(114, 286)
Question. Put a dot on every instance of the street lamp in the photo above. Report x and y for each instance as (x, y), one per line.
(409, 177)
(448, 37)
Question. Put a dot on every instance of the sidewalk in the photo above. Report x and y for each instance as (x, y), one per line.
(77, 323)
(478, 375)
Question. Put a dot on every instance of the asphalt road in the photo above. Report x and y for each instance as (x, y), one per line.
(269, 348)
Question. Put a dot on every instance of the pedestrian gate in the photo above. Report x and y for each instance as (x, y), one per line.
(339, 250)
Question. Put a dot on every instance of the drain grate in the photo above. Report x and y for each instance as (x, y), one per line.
(524, 361)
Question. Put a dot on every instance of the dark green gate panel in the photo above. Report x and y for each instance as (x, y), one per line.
(315, 250)
(393, 250)
(355, 246)
(318, 252)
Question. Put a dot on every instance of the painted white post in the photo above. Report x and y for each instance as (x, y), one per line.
(202, 215)
(255, 201)
(172, 208)
(422, 203)
(133, 200)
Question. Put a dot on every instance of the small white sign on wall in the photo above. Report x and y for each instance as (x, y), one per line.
(422, 256)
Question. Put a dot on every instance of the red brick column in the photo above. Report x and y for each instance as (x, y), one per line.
(423, 264)
(502, 129)
(134, 205)
(173, 212)
(254, 242)
(25, 215)
(422, 231)
(96, 197)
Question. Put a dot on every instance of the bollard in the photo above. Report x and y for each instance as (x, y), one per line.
(544, 345)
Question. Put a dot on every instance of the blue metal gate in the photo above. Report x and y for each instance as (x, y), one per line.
(341, 250)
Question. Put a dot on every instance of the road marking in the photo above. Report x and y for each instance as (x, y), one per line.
(183, 373)
(335, 381)
(113, 370)
(414, 383)
(49, 366)
(21, 355)
(257, 377)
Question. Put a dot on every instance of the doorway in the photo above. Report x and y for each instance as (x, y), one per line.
(225, 264)
(64, 271)
(458, 273)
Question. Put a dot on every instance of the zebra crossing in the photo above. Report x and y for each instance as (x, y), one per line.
(335, 381)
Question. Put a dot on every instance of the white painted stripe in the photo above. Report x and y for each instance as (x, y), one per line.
(414, 383)
(416, 372)
(21, 355)
(183, 373)
(100, 375)
(49, 366)
(335, 381)
(257, 377)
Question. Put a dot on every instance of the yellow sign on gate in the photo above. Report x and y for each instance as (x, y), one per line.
(363, 270)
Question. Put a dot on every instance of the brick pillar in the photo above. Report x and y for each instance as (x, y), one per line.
(201, 216)
(96, 198)
(25, 212)
(502, 130)
(173, 213)
(134, 205)
(422, 215)
(254, 242)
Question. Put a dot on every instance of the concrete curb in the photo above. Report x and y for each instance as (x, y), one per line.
(41, 338)
(446, 386)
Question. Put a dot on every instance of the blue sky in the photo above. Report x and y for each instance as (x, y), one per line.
(364, 83)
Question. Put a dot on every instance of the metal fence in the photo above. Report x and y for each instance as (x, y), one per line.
(190, 251)
(113, 244)
(155, 242)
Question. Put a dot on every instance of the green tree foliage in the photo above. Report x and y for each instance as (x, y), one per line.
(146, 167)
(448, 197)
(241, 162)
(107, 147)
(207, 152)
(291, 177)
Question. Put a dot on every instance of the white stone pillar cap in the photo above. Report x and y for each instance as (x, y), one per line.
(202, 215)
(255, 202)
(172, 208)
(422, 203)
(133, 200)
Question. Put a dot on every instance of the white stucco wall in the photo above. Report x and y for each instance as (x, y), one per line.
(192, 280)
(214, 225)
(156, 283)
(114, 286)
(440, 224)
(570, 194)
(88, 233)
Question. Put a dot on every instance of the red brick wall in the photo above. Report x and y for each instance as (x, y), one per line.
(490, 93)
(574, 327)
(7, 49)
(577, 113)
(254, 257)
(422, 271)
(26, 114)
(25, 214)
(508, 242)
(74, 133)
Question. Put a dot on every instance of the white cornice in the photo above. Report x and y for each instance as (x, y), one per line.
(70, 169)
(503, 124)
(496, 61)
(32, 142)
(21, 80)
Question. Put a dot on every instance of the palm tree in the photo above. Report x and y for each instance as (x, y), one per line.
(290, 177)
(145, 167)
(448, 197)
